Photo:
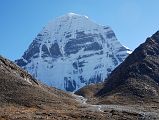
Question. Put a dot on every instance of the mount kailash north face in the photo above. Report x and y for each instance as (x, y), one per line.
(73, 51)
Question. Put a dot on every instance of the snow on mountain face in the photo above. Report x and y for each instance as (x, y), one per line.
(73, 51)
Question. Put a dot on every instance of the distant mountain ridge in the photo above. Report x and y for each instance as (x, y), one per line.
(72, 51)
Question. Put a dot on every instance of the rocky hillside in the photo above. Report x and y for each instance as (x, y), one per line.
(72, 51)
(20, 92)
(136, 80)
(19, 87)
(24, 98)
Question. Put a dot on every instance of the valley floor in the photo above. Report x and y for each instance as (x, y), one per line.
(83, 111)
(145, 113)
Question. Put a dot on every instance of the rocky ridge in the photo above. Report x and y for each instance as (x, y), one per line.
(135, 81)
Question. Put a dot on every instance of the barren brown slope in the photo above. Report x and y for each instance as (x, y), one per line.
(21, 96)
(24, 98)
(19, 87)
(136, 80)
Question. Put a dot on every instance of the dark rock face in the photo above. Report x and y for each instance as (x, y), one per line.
(138, 75)
(21, 62)
(70, 85)
(93, 46)
(45, 51)
(55, 50)
(114, 60)
(33, 51)
(110, 34)
(74, 45)
(75, 65)
(95, 79)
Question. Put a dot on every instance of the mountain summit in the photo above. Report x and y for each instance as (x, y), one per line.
(72, 51)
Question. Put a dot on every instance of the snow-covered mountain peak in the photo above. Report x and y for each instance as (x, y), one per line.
(71, 22)
(71, 14)
(72, 51)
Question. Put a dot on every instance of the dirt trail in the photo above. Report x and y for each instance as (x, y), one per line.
(129, 109)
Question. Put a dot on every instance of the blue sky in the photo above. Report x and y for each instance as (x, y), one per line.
(21, 20)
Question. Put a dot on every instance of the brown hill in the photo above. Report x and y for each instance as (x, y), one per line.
(135, 81)
(19, 87)
(24, 98)
(19, 90)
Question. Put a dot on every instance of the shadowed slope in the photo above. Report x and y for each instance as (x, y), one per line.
(136, 79)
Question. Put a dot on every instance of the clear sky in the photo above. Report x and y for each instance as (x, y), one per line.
(21, 20)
